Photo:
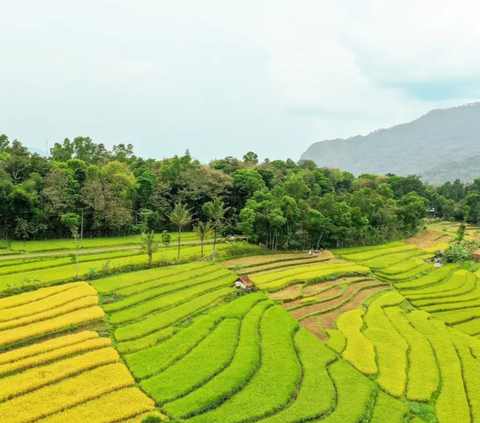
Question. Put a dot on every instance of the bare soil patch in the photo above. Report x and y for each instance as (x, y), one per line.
(314, 308)
(328, 319)
(331, 292)
(262, 259)
(312, 324)
(315, 288)
(290, 292)
(426, 239)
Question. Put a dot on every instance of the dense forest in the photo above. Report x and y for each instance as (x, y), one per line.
(282, 204)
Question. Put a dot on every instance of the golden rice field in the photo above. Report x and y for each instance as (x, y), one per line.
(366, 334)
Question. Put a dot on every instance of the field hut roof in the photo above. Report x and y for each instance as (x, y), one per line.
(246, 281)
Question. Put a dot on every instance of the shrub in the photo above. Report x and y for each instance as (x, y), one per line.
(152, 419)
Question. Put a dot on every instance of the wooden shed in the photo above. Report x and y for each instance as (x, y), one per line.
(476, 254)
(245, 283)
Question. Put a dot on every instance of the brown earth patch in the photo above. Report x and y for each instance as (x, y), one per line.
(328, 319)
(314, 308)
(261, 259)
(331, 292)
(299, 266)
(285, 263)
(310, 290)
(312, 324)
(426, 239)
(290, 292)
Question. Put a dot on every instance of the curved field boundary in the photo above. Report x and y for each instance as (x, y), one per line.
(68, 377)
(51, 310)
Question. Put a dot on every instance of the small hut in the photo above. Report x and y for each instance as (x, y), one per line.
(476, 254)
(245, 283)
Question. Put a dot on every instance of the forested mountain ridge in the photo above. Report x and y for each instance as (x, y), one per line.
(280, 203)
(438, 146)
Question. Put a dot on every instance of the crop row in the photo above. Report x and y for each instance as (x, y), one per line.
(240, 361)
(65, 379)
(47, 310)
(412, 356)
(68, 244)
(68, 272)
(276, 280)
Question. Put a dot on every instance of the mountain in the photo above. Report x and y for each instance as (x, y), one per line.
(440, 146)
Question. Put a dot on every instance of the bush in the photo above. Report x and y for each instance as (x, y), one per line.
(151, 419)
(458, 253)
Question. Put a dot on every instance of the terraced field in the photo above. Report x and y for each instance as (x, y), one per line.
(48, 374)
(412, 356)
(204, 355)
(67, 244)
(370, 334)
(41, 271)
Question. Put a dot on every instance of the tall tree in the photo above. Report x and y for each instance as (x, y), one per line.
(180, 217)
(215, 210)
(203, 230)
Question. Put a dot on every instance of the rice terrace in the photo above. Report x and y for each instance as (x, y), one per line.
(363, 334)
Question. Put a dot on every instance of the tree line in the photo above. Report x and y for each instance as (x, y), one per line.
(280, 203)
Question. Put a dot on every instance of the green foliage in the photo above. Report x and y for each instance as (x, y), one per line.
(459, 253)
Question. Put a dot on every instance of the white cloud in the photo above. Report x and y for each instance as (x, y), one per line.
(224, 77)
(346, 57)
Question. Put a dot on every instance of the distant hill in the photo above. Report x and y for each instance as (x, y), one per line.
(439, 146)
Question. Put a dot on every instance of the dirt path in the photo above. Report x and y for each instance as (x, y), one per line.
(83, 251)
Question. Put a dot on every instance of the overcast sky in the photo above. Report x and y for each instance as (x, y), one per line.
(222, 77)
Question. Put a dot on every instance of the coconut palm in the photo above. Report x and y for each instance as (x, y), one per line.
(181, 217)
(215, 210)
(203, 230)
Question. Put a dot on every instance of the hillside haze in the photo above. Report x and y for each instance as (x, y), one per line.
(440, 146)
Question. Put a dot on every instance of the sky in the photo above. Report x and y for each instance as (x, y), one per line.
(223, 77)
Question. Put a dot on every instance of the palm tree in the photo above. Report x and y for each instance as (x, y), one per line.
(181, 217)
(149, 245)
(203, 229)
(215, 210)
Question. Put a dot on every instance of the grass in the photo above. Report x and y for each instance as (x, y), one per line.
(434, 277)
(234, 377)
(370, 254)
(276, 380)
(36, 378)
(350, 384)
(387, 409)
(423, 378)
(131, 283)
(151, 361)
(67, 393)
(317, 392)
(157, 304)
(284, 277)
(50, 356)
(68, 272)
(87, 315)
(336, 341)
(197, 366)
(159, 321)
(390, 346)
(122, 404)
(452, 387)
(352, 250)
(162, 287)
(359, 350)
(68, 244)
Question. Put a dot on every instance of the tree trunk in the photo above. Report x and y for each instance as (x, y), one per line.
(179, 236)
(214, 242)
(150, 260)
(201, 243)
